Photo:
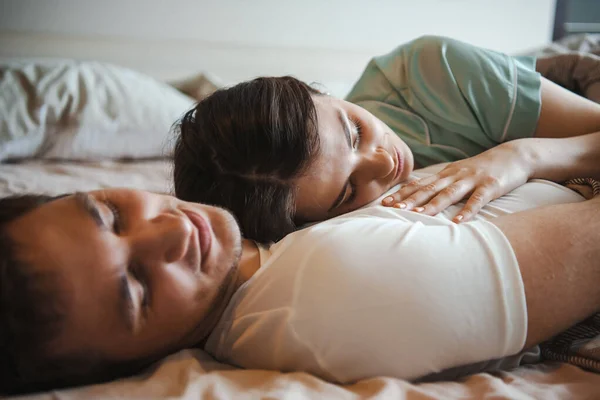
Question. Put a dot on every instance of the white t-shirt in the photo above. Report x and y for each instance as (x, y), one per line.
(384, 292)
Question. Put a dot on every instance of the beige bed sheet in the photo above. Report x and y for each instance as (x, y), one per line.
(66, 177)
(193, 374)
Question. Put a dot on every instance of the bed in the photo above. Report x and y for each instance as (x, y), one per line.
(59, 139)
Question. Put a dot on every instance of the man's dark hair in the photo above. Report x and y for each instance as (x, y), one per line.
(31, 317)
(242, 147)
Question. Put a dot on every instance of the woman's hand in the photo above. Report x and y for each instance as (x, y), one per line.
(482, 178)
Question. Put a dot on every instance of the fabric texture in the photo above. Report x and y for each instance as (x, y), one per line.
(450, 100)
(66, 109)
(577, 66)
(579, 345)
(386, 292)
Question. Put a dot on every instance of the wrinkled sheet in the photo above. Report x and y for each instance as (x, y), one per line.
(67, 177)
(193, 374)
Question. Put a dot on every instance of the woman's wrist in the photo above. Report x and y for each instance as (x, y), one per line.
(561, 159)
(549, 158)
(531, 155)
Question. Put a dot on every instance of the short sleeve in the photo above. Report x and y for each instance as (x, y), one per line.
(408, 300)
(462, 89)
(375, 294)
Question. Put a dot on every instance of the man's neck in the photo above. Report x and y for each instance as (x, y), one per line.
(248, 265)
(249, 262)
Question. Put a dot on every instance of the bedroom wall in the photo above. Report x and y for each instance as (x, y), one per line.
(324, 40)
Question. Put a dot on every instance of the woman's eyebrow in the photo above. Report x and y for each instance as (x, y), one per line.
(88, 204)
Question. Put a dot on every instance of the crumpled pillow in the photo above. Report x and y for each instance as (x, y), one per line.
(83, 110)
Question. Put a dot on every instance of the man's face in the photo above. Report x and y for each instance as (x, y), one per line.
(143, 274)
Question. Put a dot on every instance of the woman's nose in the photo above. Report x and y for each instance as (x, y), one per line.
(373, 166)
(164, 238)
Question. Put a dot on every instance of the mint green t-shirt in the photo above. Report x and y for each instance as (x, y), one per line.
(449, 100)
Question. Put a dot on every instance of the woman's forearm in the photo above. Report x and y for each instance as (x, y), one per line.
(562, 159)
(567, 138)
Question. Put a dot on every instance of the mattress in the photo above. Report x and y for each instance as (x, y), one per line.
(193, 374)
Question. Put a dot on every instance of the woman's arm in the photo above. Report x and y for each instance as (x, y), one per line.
(562, 159)
(497, 171)
(566, 146)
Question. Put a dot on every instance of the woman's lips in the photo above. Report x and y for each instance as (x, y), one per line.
(399, 166)
(203, 232)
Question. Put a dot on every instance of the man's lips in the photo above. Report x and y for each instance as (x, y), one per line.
(203, 233)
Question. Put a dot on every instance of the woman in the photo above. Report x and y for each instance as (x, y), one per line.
(280, 154)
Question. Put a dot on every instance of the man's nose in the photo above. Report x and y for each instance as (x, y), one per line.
(163, 239)
(373, 166)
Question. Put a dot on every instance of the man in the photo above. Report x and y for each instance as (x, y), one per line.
(99, 284)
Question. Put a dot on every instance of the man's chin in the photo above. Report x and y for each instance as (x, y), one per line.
(219, 303)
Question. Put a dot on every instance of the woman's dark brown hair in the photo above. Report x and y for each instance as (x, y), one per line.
(31, 317)
(242, 147)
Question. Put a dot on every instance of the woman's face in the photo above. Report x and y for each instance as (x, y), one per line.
(142, 274)
(360, 158)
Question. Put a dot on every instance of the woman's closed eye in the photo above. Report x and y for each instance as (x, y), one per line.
(353, 192)
(116, 216)
(357, 136)
(357, 128)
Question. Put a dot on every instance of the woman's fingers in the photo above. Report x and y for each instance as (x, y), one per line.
(425, 193)
(408, 190)
(480, 197)
(451, 194)
(441, 180)
(432, 195)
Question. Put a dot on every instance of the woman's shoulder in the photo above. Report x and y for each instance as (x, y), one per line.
(395, 69)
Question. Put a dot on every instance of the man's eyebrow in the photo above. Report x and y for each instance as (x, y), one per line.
(344, 122)
(125, 304)
(88, 204)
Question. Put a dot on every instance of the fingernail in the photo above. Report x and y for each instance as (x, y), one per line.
(400, 205)
(388, 200)
(418, 209)
(458, 218)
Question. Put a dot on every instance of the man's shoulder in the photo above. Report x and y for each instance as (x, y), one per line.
(346, 230)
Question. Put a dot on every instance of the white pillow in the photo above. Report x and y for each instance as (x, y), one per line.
(66, 109)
